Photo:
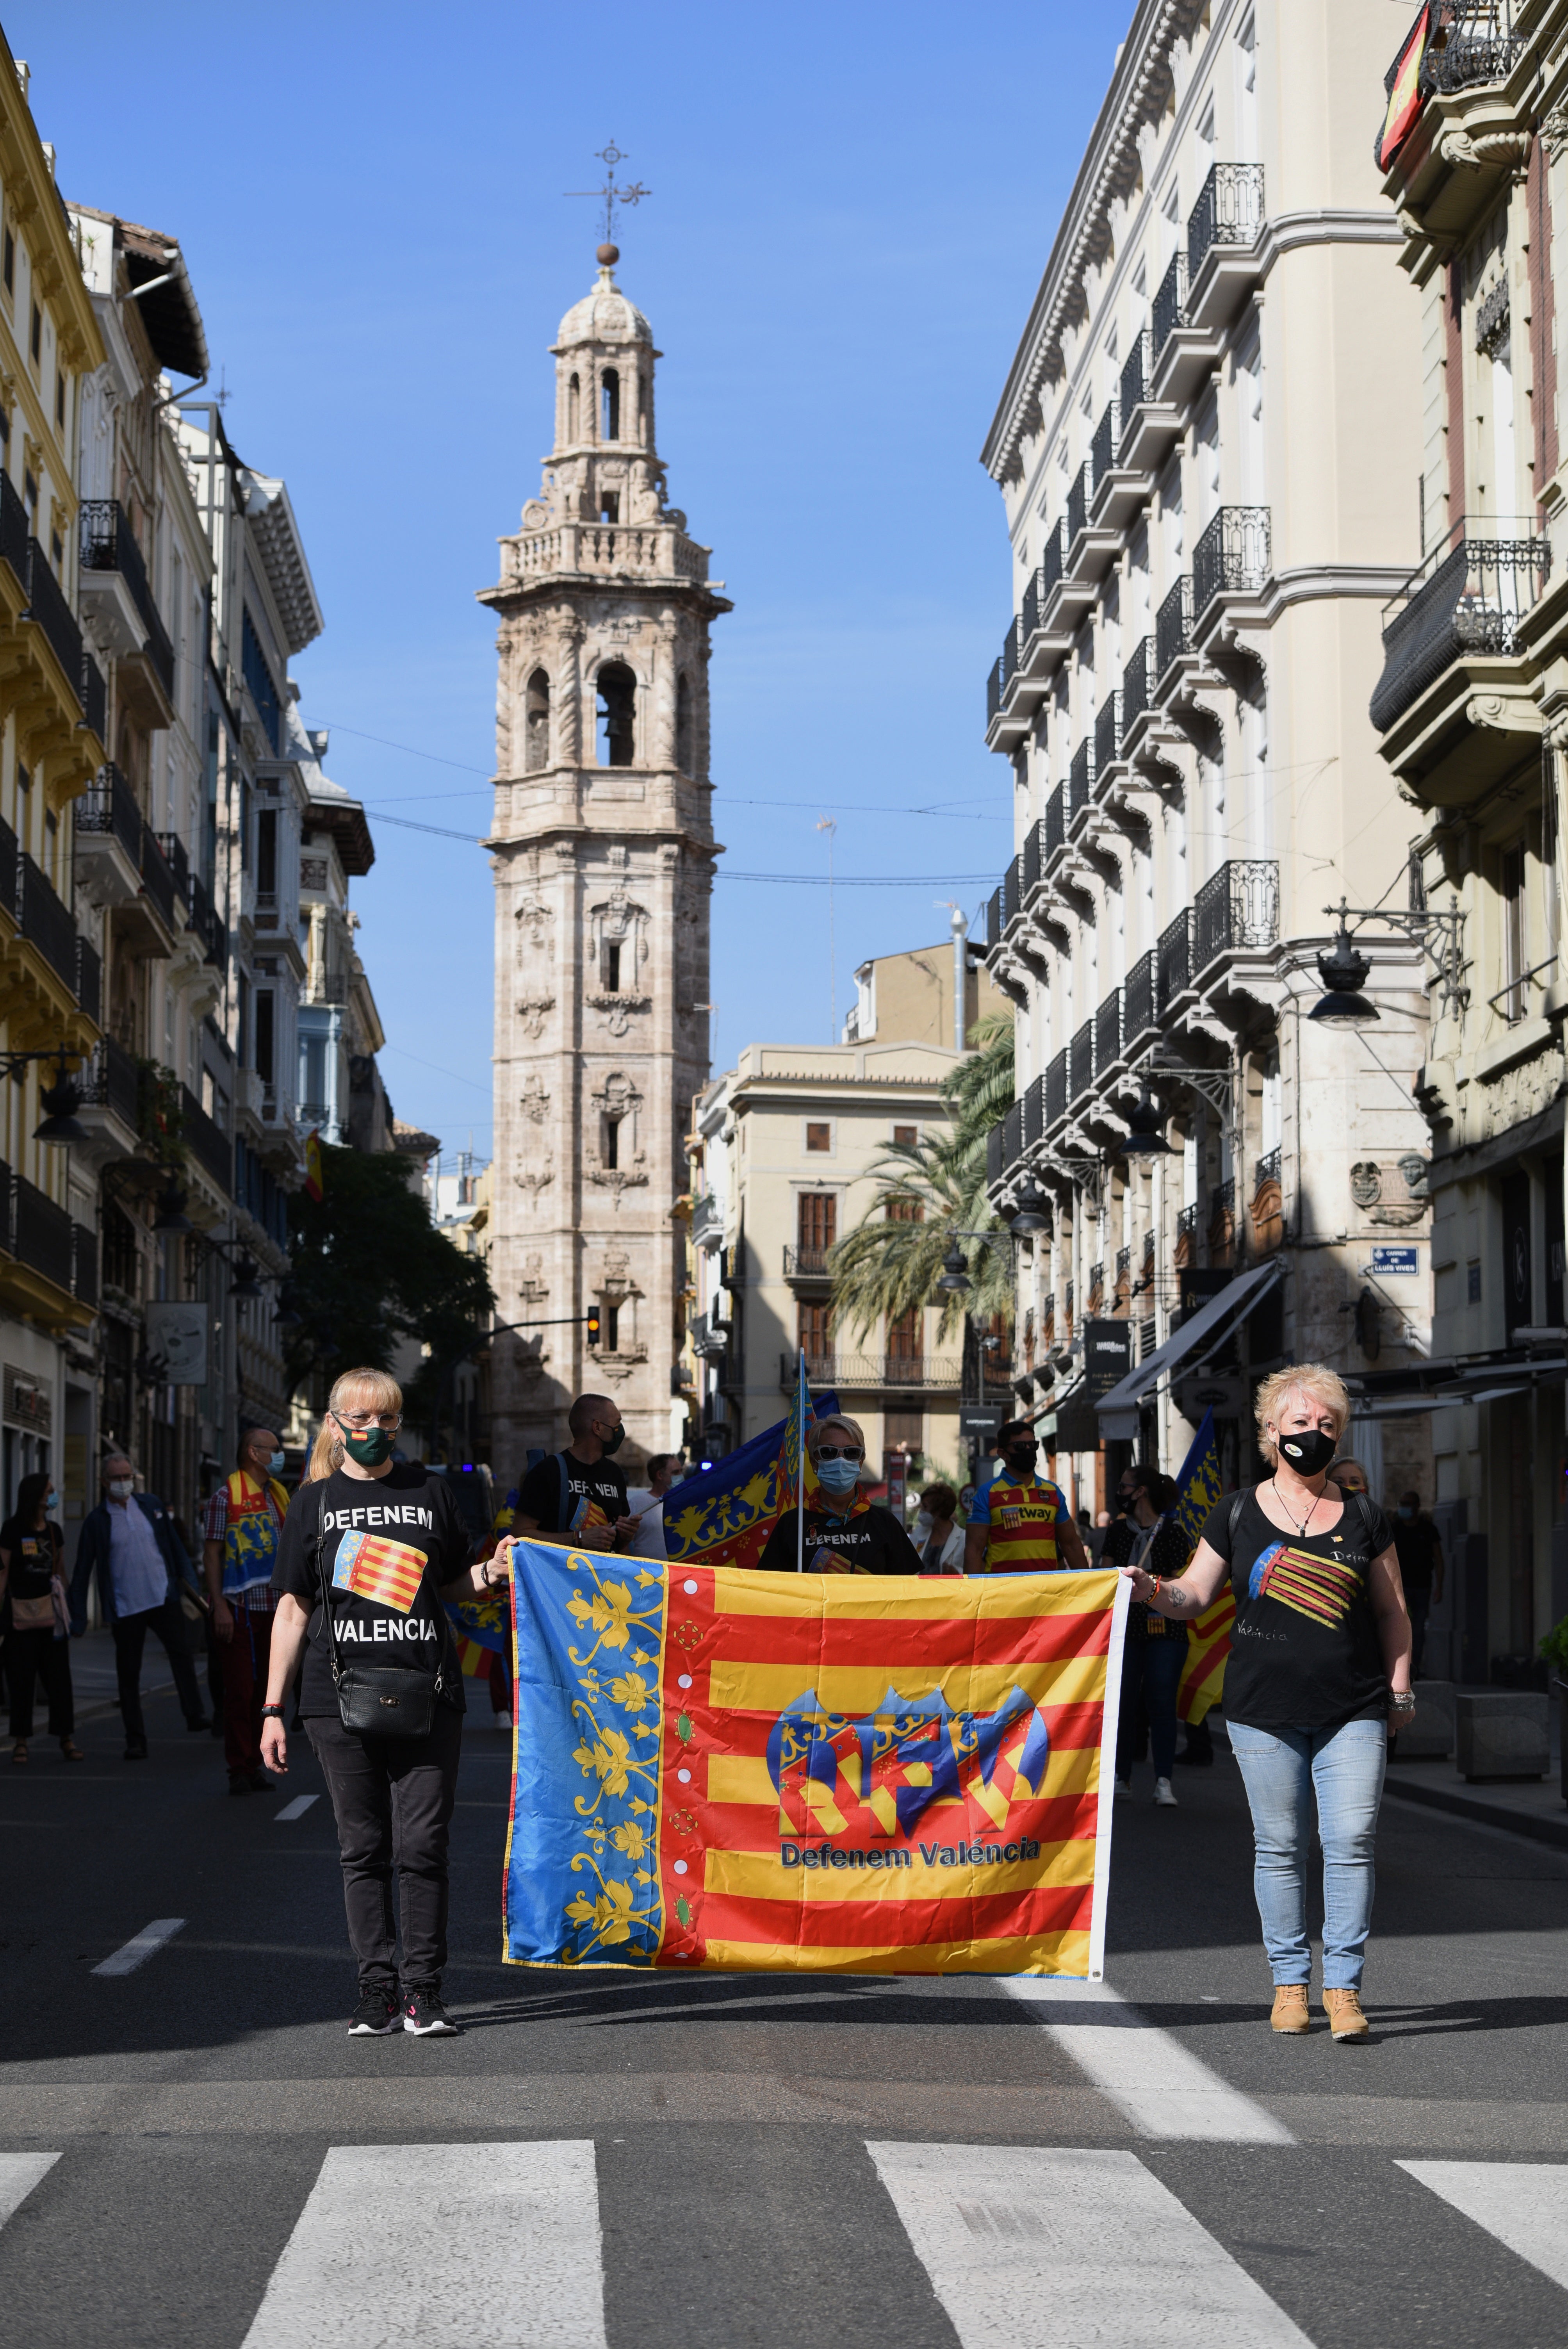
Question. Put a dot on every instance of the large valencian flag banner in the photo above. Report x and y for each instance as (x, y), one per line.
(720, 1767)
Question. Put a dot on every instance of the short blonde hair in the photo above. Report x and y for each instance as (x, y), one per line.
(851, 1428)
(1324, 1387)
(361, 1390)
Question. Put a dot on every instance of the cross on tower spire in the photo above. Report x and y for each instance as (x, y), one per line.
(610, 195)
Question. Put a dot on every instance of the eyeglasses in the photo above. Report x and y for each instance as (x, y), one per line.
(840, 1452)
(361, 1420)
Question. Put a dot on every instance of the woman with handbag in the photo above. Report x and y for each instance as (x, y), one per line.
(33, 1621)
(381, 1695)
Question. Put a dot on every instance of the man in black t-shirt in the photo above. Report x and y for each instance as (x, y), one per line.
(578, 1495)
(1421, 1555)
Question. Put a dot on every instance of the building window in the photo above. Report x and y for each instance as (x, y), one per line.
(259, 677)
(816, 1227)
(609, 405)
(611, 1144)
(265, 1005)
(610, 966)
(612, 1329)
(1513, 964)
(814, 1337)
(60, 401)
(267, 854)
(903, 1211)
(905, 1137)
(683, 725)
(819, 1136)
(610, 505)
(618, 714)
(8, 263)
(536, 723)
(36, 334)
(905, 1337)
(573, 402)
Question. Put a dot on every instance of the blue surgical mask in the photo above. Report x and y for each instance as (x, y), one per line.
(51, 1500)
(839, 1475)
(1406, 1510)
(275, 1464)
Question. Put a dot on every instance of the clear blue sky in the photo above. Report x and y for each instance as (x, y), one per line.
(851, 208)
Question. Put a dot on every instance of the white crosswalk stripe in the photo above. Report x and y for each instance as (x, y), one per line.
(19, 2173)
(1045, 2248)
(1164, 2089)
(1524, 2203)
(141, 1946)
(294, 1810)
(443, 2247)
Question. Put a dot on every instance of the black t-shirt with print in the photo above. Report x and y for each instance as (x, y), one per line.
(34, 1555)
(602, 1484)
(411, 1541)
(1305, 1650)
(871, 1538)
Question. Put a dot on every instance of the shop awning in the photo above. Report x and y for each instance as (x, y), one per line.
(1202, 1335)
(1440, 1384)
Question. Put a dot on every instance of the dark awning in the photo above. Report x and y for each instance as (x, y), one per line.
(1203, 1333)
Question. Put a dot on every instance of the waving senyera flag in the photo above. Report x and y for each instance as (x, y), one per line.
(714, 1767)
(1198, 1488)
(725, 1515)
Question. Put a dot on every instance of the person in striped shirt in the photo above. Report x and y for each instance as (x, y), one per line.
(1020, 1522)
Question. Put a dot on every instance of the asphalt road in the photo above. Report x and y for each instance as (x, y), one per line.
(733, 2160)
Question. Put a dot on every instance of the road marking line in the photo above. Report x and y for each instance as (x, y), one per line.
(443, 2247)
(1032, 2247)
(1524, 2203)
(294, 1810)
(1163, 2087)
(140, 1946)
(19, 2173)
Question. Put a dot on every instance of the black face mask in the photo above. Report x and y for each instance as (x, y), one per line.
(608, 1443)
(1307, 1450)
(1020, 1458)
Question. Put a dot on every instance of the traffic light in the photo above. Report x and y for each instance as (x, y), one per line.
(594, 1325)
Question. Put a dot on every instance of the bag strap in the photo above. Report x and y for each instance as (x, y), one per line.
(335, 1668)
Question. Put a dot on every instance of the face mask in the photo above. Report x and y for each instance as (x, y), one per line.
(1307, 1450)
(122, 1488)
(1405, 1509)
(1021, 1462)
(839, 1475)
(370, 1450)
(923, 1525)
(610, 1443)
(51, 1500)
(1125, 1500)
(274, 1464)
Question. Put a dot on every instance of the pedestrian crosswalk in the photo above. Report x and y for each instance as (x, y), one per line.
(502, 2245)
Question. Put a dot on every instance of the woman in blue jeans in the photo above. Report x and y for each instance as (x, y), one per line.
(1320, 1657)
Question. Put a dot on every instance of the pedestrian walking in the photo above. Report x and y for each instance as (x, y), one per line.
(1320, 1658)
(1154, 1649)
(371, 1550)
(1350, 1477)
(843, 1533)
(578, 1495)
(939, 1536)
(241, 1525)
(33, 1619)
(1421, 1571)
(1020, 1523)
(129, 1543)
(645, 1502)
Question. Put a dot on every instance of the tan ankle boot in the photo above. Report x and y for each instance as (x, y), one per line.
(1342, 2008)
(1290, 2008)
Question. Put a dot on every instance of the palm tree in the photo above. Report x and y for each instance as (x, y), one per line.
(927, 1190)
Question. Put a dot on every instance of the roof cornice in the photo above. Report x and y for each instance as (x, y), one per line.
(38, 208)
(1140, 89)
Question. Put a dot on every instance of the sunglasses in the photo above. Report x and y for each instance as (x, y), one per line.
(840, 1452)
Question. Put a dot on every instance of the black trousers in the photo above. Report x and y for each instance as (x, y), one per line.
(30, 1653)
(392, 1798)
(166, 1623)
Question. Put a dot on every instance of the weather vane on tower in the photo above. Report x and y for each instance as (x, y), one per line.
(610, 195)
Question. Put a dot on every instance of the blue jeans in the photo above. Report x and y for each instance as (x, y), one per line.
(1344, 1767)
(1153, 1666)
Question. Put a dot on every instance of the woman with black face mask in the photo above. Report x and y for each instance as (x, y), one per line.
(1320, 1659)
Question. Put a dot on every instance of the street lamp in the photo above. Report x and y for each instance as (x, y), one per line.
(953, 1280)
(60, 1102)
(1143, 1138)
(1031, 1214)
(246, 1283)
(170, 1203)
(1344, 973)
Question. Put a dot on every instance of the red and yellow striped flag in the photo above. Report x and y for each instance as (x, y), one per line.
(718, 1767)
(373, 1567)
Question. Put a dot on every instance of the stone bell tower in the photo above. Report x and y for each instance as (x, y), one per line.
(602, 853)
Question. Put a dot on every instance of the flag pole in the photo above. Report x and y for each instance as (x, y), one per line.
(801, 1462)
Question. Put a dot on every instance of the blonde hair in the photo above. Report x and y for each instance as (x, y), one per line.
(852, 1427)
(1324, 1387)
(1349, 1461)
(362, 1389)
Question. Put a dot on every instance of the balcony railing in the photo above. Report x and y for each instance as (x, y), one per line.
(1107, 440)
(13, 528)
(995, 1160)
(1033, 1119)
(1057, 1090)
(1138, 999)
(1231, 557)
(1187, 1222)
(89, 979)
(1013, 1134)
(1238, 907)
(849, 1371)
(1474, 42)
(993, 918)
(1229, 211)
(40, 1233)
(107, 808)
(1107, 1032)
(993, 691)
(807, 1263)
(84, 1266)
(1078, 504)
(179, 864)
(1056, 821)
(206, 1141)
(1031, 855)
(1080, 778)
(1012, 888)
(1465, 602)
(1169, 301)
(1053, 554)
(94, 695)
(112, 1080)
(207, 924)
(1138, 683)
(155, 877)
(1269, 1169)
(1173, 957)
(1137, 369)
(1080, 1061)
(1173, 627)
(1108, 733)
(108, 543)
(1029, 610)
(42, 919)
(47, 605)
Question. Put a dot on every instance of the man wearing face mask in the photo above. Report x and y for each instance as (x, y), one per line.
(1420, 1556)
(580, 1494)
(130, 1543)
(1020, 1522)
(241, 1524)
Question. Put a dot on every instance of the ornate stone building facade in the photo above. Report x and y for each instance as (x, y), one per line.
(602, 852)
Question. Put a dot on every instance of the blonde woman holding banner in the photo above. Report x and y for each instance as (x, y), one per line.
(381, 1695)
(1320, 1658)
(844, 1533)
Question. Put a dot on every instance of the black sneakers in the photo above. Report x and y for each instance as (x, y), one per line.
(377, 2013)
(424, 2015)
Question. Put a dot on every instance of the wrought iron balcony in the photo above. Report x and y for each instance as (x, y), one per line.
(1137, 1000)
(112, 1080)
(807, 1263)
(206, 1141)
(1013, 1134)
(94, 695)
(1168, 302)
(1229, 211)
(209, 924)
(1174, 958)
(1137, 685)
(155, 877)
(1012, 884)
(1053, 555)
(1269, 1169)
(1108, 733)
(1081, 781)
(1464, 603)
(1474, 42)
(1057, 1090)
(42, 919)
(1034, 1117)
(90, 979)
(1237, 907)
(107, 809)
(1173, 628)
(108, 543)
(1054, 820)
(1137, 373)
(47, 607)
(1231, 558)
(1031, 855)
(1081, 1062)
(84, 1266)
(863, 1373)
(1187, 1222)
(13, 528)
(993, 693)
(179, 864)
(993, 1159)
(40, 1233)
(1077, 505)
(993, 918)
(1107, 440)
(1107, 1033)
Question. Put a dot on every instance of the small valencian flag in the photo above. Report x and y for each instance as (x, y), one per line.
(373, 1567)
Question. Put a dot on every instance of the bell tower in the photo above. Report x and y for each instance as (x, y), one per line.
(602, 852)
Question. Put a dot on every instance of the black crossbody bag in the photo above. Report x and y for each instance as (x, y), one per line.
(376, 1700)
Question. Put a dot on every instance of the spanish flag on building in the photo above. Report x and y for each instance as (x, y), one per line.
(721, 1768)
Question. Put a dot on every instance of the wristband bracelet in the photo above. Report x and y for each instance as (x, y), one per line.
(272, 1712)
